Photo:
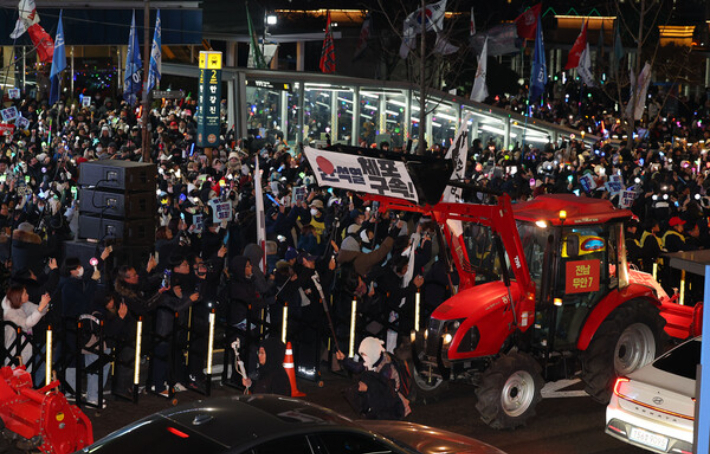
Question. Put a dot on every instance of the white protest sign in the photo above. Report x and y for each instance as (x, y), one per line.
(362, 174)
(22, 123)
(627, 198)
(9, 114)
(221, 211)
(615, 184)
(587, 182)
(198, 222)
(13, 93)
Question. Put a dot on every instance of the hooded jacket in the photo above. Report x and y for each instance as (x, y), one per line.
(242, 291)
(28, 251)
(271, 378)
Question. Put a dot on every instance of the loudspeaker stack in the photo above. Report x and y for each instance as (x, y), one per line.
(117, 206)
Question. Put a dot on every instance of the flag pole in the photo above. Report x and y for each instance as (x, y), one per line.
(145, 146)
(421, 149)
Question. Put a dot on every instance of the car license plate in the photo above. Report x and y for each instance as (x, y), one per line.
(648, 438)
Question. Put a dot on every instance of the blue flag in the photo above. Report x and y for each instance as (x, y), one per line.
(59, 62)
(538, 75)
(132, 75)
(156, 56)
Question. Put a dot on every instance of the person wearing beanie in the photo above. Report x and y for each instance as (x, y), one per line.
(362, 263)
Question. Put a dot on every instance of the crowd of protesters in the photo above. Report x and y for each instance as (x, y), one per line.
(320, 241)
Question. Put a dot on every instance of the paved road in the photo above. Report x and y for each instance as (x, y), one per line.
(572, 425)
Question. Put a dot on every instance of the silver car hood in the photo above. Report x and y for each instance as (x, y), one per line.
(428, 440)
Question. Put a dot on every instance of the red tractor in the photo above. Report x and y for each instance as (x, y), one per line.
(545, 293)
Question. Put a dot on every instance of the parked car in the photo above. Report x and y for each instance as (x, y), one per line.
(264, 424)
(654, 407)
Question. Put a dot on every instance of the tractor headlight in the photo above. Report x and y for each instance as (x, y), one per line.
(449, 331)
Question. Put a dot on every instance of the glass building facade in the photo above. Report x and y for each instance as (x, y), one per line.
(312, 108)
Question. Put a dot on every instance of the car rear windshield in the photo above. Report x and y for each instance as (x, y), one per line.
(156, 436)
(682, 360)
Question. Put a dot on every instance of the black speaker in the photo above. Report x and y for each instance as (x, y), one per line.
(130, 231)
(123, 254)
(114, 175)
(131, 205)
(84, 251)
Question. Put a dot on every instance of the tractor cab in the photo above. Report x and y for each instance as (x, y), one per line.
(574, 248)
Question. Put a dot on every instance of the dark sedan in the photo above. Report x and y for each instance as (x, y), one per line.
(265, 424)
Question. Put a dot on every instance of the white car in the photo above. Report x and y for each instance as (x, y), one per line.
(654, 407)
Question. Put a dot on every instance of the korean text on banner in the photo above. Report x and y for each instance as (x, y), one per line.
(362, 174)
(582, 276)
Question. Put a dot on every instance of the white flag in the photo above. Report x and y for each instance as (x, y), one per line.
(480, 91)
(28, 17)
(260, 214)
(585, 67)
(457, 152)
(443, 46)
(639, 85)
(433, 20)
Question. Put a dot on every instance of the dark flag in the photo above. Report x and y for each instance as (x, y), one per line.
(538, 75)
(364, 37)
(327, 56)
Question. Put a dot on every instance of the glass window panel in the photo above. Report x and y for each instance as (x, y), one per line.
(344, 129)
(444, 123)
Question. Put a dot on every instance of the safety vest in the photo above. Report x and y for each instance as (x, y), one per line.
(648, 234)
(672, 232)
(319, 227)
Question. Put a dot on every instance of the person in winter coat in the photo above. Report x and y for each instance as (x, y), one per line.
(351, 251)
(270, 376)
(263, 285)
(28, 250)
(18, 309)
(377, 394)
(244, 300)
(172, 301)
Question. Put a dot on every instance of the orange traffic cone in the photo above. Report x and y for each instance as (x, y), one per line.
(288, 365)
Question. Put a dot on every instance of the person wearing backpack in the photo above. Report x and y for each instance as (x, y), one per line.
(381, 388)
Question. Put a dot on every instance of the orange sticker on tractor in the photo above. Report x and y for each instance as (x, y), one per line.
(582, 276)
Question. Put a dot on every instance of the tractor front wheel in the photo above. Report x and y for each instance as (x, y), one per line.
(509, 391)
(426, 389)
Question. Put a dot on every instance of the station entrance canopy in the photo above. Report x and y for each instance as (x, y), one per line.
(313, 108)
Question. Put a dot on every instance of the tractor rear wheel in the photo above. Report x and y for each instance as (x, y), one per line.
(627, 340)
(509, 391)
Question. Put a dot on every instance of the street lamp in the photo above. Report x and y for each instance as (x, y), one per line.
(269, 19)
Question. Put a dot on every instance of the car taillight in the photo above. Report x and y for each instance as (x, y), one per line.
(177, 432)
(618, 383)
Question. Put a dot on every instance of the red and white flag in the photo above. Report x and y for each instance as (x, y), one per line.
(43, 42)
(527, 22)
(327, 56)
(575, 54)
(27, 17)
